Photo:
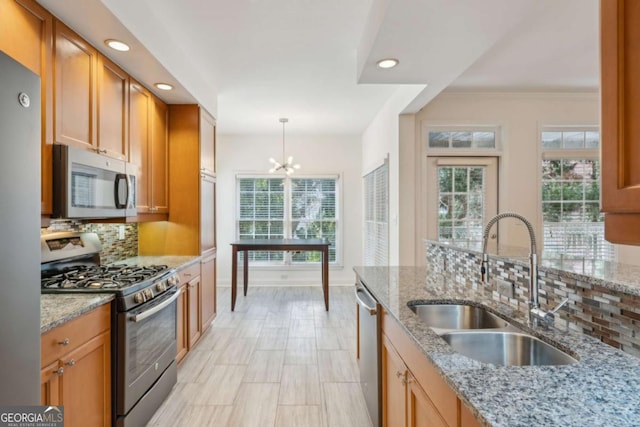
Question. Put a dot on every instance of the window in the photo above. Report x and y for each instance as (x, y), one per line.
(284, 208)
(462, 138)
(572, 223)
(376, 216)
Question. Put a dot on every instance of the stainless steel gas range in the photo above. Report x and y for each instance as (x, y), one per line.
(143, 321)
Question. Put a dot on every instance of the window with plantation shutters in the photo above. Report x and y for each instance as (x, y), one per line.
(376, 216)
(573, 226)
(289, 208)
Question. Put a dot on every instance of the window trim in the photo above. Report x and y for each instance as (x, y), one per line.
(287, 262)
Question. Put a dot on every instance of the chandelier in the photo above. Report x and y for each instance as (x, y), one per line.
(288, 167)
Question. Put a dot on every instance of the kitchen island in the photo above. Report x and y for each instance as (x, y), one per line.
(602, 388)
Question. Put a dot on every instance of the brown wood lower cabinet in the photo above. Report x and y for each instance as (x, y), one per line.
(413, 393)
(208, 291)
(189, 312)
(182, 323)
(76, 369)
(194, 289)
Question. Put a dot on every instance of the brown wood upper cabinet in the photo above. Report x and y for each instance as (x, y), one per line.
(620, 127)
(113, 109)
(148, 149)
(26, 34)
(75, 89)
(207, 143)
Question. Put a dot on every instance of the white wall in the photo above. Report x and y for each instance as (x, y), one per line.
(316, 155)
(520, 117)
(382, 138)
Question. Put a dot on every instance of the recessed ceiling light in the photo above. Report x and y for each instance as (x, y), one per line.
(387, 63)
(163, 86)
(117, 45)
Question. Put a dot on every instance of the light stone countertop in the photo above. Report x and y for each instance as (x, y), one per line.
(601, 389)
(57, 309)
(172, 261)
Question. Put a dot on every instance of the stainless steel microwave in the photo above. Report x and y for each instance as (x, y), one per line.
(91, 185)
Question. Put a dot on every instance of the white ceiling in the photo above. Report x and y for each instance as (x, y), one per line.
(253, 61)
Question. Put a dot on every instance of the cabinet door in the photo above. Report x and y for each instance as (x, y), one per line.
(207, 213)
(113, 111)
(159, 177)
(207, 143)
(620, 128)
(420, 409)
(50, 384)
(394, 377)
(75, 89)
(86, 384)
(182, 323)
(208, 292)
(26, 34)
(193, 295)
(139, 124)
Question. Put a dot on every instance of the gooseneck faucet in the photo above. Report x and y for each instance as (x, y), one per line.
(533, 257)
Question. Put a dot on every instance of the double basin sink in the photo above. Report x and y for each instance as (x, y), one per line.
(481, 335)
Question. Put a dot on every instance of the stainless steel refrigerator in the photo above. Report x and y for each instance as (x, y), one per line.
(20, 116)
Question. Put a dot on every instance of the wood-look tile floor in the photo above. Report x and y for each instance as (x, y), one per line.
(278, 360)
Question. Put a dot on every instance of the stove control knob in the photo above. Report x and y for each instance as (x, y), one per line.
(161, 287)
(148, 293)
(173, 280)
(139, 298)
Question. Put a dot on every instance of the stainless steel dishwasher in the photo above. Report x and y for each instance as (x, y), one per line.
(369, 352)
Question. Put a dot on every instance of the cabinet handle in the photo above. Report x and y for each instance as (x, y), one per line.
(399, 374)
(71, 363)
(64, 342)
(59, 371)
(187, 274)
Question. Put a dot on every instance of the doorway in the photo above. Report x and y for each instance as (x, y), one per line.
(462, 194)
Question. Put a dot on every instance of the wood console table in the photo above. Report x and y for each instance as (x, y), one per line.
(320, 245)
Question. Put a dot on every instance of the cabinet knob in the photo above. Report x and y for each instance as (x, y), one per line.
(399, 374)
(64, 342)
(59, 371)
(71, 363)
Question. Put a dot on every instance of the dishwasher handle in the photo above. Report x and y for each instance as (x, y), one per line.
(372, 310)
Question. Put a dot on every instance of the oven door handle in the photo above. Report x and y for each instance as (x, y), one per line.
(145, 314)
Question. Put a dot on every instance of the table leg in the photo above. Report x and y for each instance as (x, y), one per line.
(246, 272)
(234, 277)
(325, 277)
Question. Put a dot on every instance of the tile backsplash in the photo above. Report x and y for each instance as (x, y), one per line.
(113, 249)
(596, 308)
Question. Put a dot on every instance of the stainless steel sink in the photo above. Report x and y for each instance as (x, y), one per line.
(506, 348)
(457, 316)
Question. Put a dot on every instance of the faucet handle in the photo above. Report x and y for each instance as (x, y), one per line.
(559, 306)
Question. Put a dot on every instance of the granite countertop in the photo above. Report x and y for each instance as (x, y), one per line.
(56, 309)
(173, 261)
(602, 388)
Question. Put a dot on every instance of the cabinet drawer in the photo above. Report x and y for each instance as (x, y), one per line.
(187, 274)
(65, 338)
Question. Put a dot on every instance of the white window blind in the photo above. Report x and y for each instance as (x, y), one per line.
(572, 223)
(285, 208)
(376, 223)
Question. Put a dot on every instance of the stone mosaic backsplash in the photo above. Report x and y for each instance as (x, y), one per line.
(113, 249)
(596, 308)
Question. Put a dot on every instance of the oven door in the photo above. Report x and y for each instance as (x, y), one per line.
(146, 346)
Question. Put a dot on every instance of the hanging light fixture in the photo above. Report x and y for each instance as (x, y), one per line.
(288, 167)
